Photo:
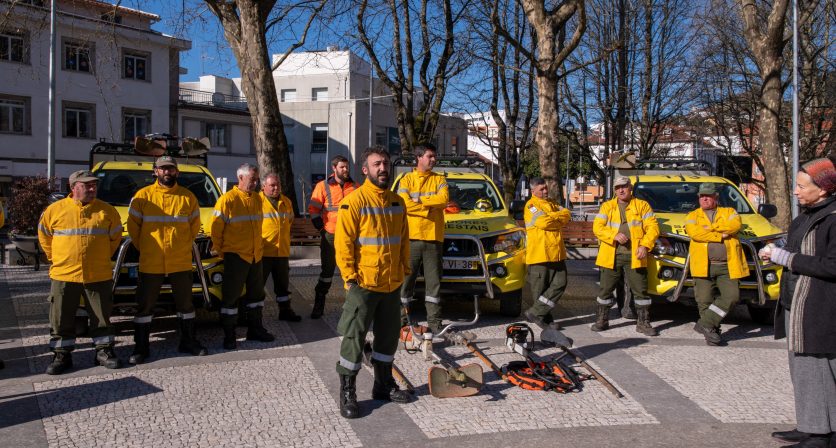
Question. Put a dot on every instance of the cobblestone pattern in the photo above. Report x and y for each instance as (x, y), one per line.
(739, 385)
(272, 402)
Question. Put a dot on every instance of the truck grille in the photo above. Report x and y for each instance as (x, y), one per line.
(454, 247)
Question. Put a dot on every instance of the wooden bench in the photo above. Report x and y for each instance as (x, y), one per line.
(303, 233)
(576, 234)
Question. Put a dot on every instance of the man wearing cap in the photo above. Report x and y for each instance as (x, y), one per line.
(717, 261)
(275, 233)
(236, 236)
(79, 234)
(626, 229)
(163, 221)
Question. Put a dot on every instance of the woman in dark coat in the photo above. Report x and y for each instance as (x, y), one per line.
(806, 315)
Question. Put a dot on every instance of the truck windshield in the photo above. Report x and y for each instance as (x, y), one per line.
(681, 197)
(117, 187)
(466, 193)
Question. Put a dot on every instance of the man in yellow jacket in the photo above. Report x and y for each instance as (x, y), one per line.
(325, 201)
(545, 252)
(79, 234)
(373, 258)
(236, 236)
(626, 229)
(426, 195)
(717, 261)
(275, 234)
(163, 221)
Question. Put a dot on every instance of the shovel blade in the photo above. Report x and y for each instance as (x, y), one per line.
(462, 382)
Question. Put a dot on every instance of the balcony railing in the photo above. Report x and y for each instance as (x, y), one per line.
(212, 99)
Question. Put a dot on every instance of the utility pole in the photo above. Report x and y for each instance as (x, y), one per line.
(50, 154)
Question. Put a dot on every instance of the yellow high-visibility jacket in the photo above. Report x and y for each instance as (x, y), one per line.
(236, 225)
(426, 196)
(163, 222)
(326, 199)
(544, 220)
(643, 231)
(371, 239)
(275, 230)
(702, 231)
(80, 239)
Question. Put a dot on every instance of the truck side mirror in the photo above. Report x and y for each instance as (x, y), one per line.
(517, 208)
(768, 210)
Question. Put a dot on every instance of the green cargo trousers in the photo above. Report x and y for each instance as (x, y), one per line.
(328, 260)
(279, 269)
(64, 299)
(426, 254)
(547, 282)
(361, 308)
(714, 309)
(237, 275)
(148, 292)
(636, 279)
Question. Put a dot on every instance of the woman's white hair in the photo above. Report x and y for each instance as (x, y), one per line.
(245, 169)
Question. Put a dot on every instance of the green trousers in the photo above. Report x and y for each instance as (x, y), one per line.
(279, 269)
(64, 300)
(328, 261)
(547, 282)
(714, 308)
(148, 292)
(239, 274)
(361, 308)
(636, 280)
(425, 256)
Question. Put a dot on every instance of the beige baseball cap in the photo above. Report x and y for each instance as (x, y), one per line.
(622, 180)
(82, 176)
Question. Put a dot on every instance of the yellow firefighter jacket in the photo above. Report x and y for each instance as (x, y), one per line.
(426, 196)
(702, 231)
(275, 231)
(163, 222)
(643, 231)
(80, 239)
(236, 225)
(371, 239)
(544, 220)
(326, 199)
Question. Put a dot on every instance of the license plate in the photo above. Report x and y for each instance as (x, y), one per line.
(461, 264)
(133, 272)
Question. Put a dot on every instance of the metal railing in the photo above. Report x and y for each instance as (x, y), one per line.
(211, 99)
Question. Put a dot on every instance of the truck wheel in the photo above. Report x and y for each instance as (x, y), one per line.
(764, 315)
(510, 303)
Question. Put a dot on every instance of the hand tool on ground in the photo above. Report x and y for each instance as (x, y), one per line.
(557, 339)
(533, 374)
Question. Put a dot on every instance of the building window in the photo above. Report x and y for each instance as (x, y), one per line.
(380, 139)
(13, 47)
(78, 56)
(217, 134)
(137, 122)
(319, 94)
(319, 137)
(288, 95)
(289, 131)
(79, 120)
(135, 65)
(14, 114)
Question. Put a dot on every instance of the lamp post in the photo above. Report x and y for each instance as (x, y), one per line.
(570, 128)
(50, 152)
(794, 104)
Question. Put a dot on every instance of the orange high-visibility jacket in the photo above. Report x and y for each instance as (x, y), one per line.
(371, 241)
(426, 195)
(275, 230)
(236, 225)
(326, 199)
(702, 231)
(643, 231)
(163, 223)
(80, 239)
(544, 220)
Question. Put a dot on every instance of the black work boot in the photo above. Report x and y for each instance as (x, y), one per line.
(348, 396)
(61, 362)
(318, 306)
(793, 435)
(602, 318)
(255, 328)
(813, 441)
(287, 313)
(643, 321)
(188, 341)
(385, 387)
(228, 323)
(142, 350)
(105, 356)
(711, 335)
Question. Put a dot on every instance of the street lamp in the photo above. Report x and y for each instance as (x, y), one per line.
(794, 103)
(570, 128)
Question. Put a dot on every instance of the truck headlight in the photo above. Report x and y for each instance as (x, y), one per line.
(771, 277)
(671, 247)
(507, 242)
(217, 278)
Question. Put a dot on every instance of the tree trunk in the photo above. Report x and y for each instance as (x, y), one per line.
(546, 139)
(775, 163)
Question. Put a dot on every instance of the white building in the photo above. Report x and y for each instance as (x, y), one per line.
(116, 78)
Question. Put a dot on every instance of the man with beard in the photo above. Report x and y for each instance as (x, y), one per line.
(325, 201)
(275, 233)
(163, 221)
(373, 255)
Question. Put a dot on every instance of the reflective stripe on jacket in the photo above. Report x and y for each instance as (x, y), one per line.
(643, 231)
(544, 221)
(371, 241)
(275, 230)
(702, 231)
(80, 239)
(426, 195)
(326, 199)
(163, 222)
(236, 225)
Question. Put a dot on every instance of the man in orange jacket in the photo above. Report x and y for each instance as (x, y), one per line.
(325, 202)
